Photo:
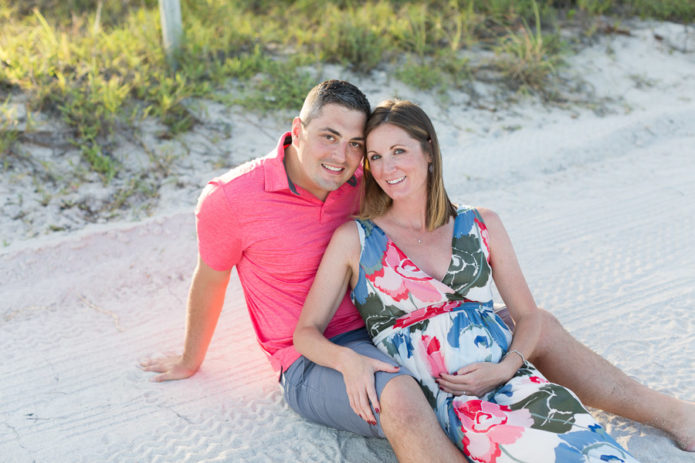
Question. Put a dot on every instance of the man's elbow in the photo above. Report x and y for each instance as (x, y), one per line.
(302, 335)
(297, 336)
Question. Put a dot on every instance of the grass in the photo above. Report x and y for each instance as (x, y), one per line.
(9, 133)
(527, 60)
(99, 66)
(444, 71)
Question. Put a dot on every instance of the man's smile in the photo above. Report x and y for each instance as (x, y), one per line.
(332, 168)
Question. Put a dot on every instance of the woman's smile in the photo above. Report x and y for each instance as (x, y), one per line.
(395, 181)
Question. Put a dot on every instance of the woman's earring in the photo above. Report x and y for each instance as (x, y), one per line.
(430, 168)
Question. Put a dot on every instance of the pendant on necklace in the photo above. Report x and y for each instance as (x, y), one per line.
(419, 241)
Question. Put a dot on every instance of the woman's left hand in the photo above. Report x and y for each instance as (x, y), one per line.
(475, 379)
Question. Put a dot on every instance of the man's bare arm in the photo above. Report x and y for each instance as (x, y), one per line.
(205, 300)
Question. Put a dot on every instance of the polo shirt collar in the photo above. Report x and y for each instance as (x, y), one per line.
(276, 177)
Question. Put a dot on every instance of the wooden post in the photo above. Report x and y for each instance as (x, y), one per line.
(170, 15)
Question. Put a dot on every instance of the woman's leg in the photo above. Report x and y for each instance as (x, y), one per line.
(566, 361)
(531, 420)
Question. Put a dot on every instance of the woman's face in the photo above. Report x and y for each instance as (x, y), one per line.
(397, 162)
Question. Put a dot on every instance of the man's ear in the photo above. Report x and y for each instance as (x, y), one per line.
(296, 130)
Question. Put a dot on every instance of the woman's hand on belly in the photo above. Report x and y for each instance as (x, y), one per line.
(475, 379)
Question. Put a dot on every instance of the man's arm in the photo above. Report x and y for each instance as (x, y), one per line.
(205, 300)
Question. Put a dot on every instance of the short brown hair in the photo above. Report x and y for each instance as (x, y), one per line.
(411, 118)
(333, 91)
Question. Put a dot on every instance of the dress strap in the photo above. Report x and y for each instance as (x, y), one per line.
(362, 234)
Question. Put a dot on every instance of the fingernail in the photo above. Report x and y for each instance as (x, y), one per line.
(377, 410)
(455, 373)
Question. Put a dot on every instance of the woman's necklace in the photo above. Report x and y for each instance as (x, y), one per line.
(418, 235)
(409, 234)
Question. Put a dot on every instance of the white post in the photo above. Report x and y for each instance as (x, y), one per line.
(170, 15)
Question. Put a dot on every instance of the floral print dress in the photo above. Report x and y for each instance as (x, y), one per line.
(432, 326)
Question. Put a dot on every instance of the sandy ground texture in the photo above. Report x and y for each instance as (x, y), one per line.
(599, 206)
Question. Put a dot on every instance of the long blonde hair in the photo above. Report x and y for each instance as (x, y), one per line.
(411, 118)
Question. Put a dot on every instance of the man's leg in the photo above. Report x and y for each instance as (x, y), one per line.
(564, 360)
(411, 426)
(318, 393)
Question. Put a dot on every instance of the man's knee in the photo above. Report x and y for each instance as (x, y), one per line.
(410, 425)
(402, 401)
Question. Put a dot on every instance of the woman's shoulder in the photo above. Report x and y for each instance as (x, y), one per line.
(483, 214)
(347, 230)
(347, 235)
(346, 241)
(487, 214)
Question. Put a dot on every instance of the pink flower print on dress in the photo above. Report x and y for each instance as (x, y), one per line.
(393, 257)
(421, 285)
(484, 235)
(535, 379)
(399, 277)
(388, 282)
(487, 425)
(386, 279)
(435, 359)
(404, 266)
(424, 290)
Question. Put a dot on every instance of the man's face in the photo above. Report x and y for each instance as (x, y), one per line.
(329, 149)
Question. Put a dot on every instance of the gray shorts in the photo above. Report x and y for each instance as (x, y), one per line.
(318, 393)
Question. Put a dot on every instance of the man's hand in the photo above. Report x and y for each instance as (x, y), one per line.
(170, 366)
(358, 373)
(205, 299)
(475, 379)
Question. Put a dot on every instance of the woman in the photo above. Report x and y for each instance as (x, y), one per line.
(421, 273)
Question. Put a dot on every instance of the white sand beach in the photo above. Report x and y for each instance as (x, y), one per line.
(599, 205)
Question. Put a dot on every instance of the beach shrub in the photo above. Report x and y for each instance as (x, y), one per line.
(99, 66)
(352, 37)
(682, 11)
(9, 132)
(526, 58)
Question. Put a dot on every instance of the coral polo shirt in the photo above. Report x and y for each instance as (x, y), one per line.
(275, 233)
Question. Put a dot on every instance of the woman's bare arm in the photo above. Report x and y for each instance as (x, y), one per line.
(337, 270)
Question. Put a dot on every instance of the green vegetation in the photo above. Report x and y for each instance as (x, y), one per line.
(100, 67)
(526, 59)
(9, 132)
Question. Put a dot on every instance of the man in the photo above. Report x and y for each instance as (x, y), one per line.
(273, 217)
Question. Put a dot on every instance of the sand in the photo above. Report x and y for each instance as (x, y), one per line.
(599, 205)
